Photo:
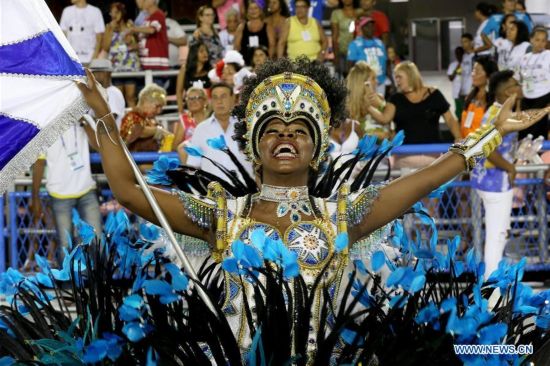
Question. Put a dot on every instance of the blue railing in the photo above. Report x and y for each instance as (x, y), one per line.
(458, 212)
(144, 157)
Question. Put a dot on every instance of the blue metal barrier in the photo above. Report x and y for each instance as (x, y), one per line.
(147, 157)
(457, 212)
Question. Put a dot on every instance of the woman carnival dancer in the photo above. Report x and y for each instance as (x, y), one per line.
(285, 114)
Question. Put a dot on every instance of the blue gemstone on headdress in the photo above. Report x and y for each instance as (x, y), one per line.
(288, 105)
(287, 87)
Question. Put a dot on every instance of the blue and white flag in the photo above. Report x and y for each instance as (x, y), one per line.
(38, 97)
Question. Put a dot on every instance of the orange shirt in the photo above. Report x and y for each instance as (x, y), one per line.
(471, 118)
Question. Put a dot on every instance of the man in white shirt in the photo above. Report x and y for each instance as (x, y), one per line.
(220, 123)
(69, 182)
(102, 70)
(84, 26)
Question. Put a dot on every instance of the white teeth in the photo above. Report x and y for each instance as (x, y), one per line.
(285, 155)
(279, 148)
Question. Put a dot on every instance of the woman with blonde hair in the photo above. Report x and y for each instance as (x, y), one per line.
(415, 109)
(139, 129)
(360, 82)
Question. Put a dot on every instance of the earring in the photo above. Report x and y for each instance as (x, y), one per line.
(314, 165)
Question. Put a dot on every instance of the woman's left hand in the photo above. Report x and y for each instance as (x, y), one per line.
(508, 122)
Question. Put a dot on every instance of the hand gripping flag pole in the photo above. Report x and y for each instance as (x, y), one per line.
(187, 266)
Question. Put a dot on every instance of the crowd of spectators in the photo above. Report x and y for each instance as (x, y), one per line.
(233, 38)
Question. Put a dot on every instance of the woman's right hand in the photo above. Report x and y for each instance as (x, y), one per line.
(93, 96)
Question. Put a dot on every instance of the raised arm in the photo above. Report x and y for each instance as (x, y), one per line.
(487, 44)
(382, 112)
(324, 42)
(121, 177)
(238, 36)
(271, 40)
(281, 43)
(453, 124)
(107, 37)
(395, 198)
(180, 83)
(335, 32)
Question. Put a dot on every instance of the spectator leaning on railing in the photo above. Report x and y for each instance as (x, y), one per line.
(535, 80)
(84, 26)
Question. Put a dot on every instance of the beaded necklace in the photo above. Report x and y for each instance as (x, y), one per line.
(293, 200)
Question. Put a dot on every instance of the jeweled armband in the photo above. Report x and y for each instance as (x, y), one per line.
(478, 144)
(199, 209)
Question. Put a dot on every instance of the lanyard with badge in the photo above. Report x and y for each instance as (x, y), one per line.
(75, 160)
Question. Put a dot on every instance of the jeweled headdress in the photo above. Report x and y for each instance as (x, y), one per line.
(288, 96)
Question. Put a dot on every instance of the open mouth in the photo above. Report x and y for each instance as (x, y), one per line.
(285, 151)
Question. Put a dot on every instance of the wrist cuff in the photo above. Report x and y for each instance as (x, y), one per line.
(478, 144)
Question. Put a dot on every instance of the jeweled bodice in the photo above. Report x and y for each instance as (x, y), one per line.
(313, 241)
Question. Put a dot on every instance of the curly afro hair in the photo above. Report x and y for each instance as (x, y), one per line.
(333, 87)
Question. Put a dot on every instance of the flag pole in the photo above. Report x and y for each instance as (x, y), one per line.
(188, 267)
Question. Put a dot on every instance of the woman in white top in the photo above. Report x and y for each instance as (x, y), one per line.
(513, 48)
(535, 80)
(501, 43)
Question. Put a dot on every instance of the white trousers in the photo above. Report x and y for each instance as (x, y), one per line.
(498, 209)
